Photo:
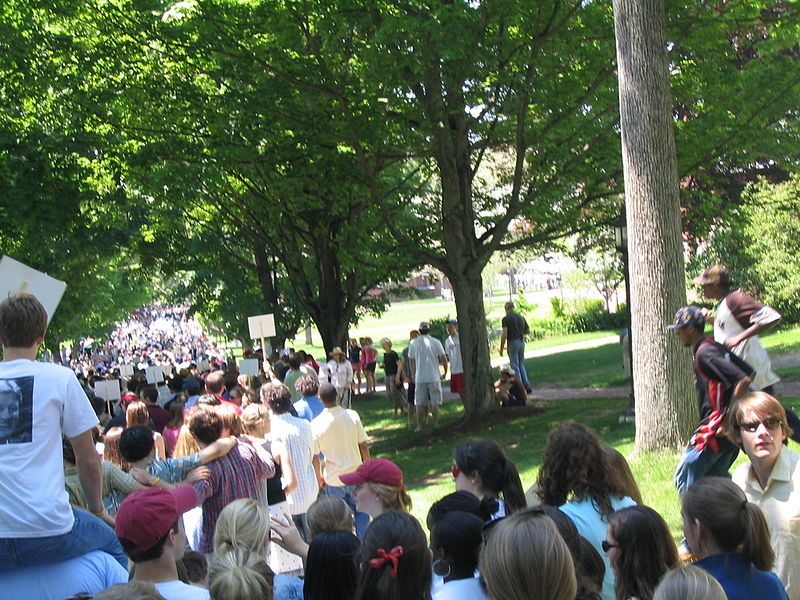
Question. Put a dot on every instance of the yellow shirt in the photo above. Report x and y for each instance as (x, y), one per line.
(337, 434)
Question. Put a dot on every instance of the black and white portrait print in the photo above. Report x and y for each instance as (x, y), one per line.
(16, 410)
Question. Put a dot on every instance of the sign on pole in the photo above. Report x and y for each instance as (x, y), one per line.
(126, 370)
(18, 278)
(154, 375)
(248, 366)
(109, 391)
(262, 327)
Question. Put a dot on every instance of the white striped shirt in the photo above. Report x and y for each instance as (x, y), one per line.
(295, 434)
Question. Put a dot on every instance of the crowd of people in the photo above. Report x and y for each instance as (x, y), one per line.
(264, 487)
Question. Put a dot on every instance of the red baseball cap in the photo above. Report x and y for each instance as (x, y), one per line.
(146, 516)
(375, 470)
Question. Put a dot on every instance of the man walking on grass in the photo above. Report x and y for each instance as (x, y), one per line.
(515, 328)
(426, 355)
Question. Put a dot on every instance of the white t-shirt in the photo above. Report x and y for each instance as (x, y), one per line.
(452, 345)
(90, 573)
(425, 352)
(177, 590)
(45, 399)
(337, 433)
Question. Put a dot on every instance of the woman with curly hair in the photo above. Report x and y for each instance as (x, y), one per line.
(641, 549)
(576, 476)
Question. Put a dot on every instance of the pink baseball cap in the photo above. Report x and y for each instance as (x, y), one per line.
(375, 470)
(147, 516)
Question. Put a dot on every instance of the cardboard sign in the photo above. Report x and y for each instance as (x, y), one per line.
(108, 390)
(154, 375)
(261, 326)
(248, 366)
(17, 278)
(126, 370)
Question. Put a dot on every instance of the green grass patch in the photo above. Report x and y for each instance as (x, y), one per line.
(598, 367)
(782, 340)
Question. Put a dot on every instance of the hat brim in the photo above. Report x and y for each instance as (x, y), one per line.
(354, 478)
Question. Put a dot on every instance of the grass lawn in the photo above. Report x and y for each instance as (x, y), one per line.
(427, 463)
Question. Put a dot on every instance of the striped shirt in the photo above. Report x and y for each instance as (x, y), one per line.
(295, 435)
(238, 474)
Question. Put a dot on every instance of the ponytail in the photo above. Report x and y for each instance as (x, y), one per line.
(757, 547)
(513, 493)
(735, 524)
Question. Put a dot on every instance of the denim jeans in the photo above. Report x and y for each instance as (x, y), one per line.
(88, 533)
(696, 464)
(516, 356)
(345, 492)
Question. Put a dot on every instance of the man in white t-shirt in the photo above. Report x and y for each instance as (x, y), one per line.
(38, 402)
(151, 531)
(426, 355)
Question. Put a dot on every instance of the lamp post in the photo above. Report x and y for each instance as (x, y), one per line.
(621, 242)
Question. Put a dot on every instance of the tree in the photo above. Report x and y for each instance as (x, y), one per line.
(665, 411)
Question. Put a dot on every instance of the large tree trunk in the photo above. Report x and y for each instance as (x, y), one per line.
(665, 409)
(468, 292)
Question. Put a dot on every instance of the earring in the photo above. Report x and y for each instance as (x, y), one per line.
(438, 568)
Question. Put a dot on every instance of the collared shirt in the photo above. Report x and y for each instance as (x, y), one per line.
(337, 433)
(174, 470)
(295, 435)
(238, 474)
(740, 579)
(779, 500)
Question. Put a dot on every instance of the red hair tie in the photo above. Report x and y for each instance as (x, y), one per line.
(393, 556)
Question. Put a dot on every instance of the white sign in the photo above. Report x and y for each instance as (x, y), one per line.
(167, 370)
(17, 278)
(154, 375)
(107, 390)
(261, 326)
(248, 366)
(126, 370)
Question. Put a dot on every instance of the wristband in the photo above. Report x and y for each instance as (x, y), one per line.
(98, 513)
(155, 481)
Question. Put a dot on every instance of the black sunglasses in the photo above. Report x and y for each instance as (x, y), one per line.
(606, 546)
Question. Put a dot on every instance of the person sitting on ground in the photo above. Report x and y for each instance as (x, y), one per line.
(771, 480)
(482, 467)
(576, 476)
(456, 544)
(524, 557)
(689, 583)
(395, 560)
(378, 487)
(137, 414)
(641, 549)
(150, 530)
(508, 390)
(731, 537)
(309, 406)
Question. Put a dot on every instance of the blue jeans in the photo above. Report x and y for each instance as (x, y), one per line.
(88, 533)
(696, 464)
(345, 492)
(516, 356)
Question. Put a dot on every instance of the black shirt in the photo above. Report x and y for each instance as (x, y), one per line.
(717, 370)
(516, 326)
(390, 363)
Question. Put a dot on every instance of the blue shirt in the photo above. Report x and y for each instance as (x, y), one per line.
(308, 408)
(592, 525)
(740, 579)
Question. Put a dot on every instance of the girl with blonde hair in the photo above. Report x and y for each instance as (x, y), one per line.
(239, 575)
(525, 557)
(689, 583)
(378, 487)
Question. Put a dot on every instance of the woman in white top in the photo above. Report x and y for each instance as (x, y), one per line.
(340, 375)
(771, 479)
(456, 543)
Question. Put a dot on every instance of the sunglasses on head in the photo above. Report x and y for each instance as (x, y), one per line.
(769, 423)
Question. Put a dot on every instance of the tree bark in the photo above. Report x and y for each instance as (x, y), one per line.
(665, 407)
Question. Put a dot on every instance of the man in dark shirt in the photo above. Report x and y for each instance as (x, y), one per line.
(720, 376)
(159, 416)
(515, 328)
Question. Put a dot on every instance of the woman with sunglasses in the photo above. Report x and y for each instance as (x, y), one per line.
(641, 549)
(576, 476)
(731, 537)
(771, 479)
(483, 469)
